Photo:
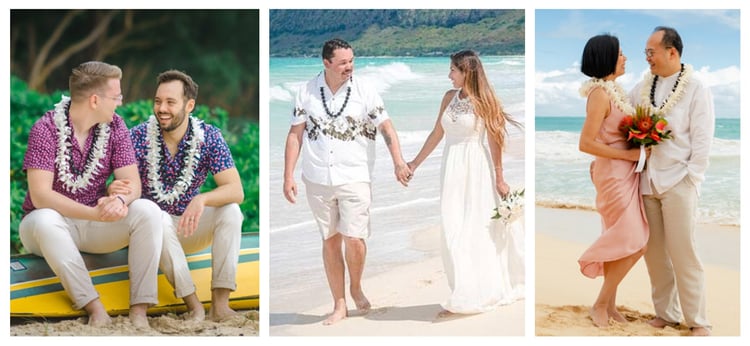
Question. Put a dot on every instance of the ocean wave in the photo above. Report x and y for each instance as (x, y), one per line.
(412, 137)
(285, 92)
(294, 226)
(559, 146)
(705, 215)
(278, 93)
(563, 146)
(725, 148)
(384, 76)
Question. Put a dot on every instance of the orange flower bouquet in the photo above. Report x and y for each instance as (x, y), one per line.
(645, 127)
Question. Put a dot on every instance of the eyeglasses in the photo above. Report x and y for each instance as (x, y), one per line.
(117, 98)
(650, 52)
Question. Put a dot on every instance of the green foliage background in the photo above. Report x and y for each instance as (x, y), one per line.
(423, 32)
(27, 106)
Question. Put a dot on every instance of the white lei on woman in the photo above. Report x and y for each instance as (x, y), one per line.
(153, 159)
(98, 150)
(674, 97)
(614, 90)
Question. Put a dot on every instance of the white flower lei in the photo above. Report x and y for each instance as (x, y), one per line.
(153, 158)
(614, 90)
(674, 97)
(71, 182)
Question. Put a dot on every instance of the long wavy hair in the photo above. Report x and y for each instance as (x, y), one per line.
(486, 104)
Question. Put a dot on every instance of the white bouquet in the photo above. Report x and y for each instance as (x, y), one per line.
(511, 207)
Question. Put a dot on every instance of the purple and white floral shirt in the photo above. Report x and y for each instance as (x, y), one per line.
(215, 157)
(42, 151)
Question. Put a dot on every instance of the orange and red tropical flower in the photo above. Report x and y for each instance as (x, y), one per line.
(645, 127)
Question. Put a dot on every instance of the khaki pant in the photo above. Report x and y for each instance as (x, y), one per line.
(60, 240)
(219, 228)
(676, 272)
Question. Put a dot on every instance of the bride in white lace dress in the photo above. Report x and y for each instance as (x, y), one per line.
(483, 258)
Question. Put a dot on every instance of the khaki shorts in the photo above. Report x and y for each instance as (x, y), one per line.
(341, 209)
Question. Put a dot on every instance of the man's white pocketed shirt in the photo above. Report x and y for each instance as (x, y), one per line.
(338, 150)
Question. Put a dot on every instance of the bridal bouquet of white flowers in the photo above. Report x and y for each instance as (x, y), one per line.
(511, 207)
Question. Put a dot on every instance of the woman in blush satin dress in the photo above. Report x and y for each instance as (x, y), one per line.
(483, 258)
(618, 198)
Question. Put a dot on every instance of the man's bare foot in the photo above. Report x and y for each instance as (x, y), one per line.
(616, 315)
(139, 321)
(338, 314)
(195, 315)
(138, 316)
(218, 313)
(700, 331)
(658, 322)
(98, 316)
(196, 312)
(99, 320)
(363, 305)
(599, 316)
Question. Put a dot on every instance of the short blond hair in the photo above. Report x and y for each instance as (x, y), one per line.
(91, 77)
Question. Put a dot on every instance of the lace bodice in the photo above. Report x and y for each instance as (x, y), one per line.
(459, 121)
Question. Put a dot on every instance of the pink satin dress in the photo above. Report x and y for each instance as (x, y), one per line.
(618, 201)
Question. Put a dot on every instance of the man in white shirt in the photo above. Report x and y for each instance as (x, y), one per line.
(334, 124)
(670, 183)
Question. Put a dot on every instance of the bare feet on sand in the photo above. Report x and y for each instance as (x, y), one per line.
(363, 305)
(196, 315)
(616, 315)
(99, 320)
(338, 314)
(658, 322)
(700, 331)
(138, 316)
(98, 317)
(600, 316)
(220, 313)
(196, 312)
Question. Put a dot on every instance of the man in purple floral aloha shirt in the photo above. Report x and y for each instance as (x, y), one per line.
(175, 153)
(72, 151)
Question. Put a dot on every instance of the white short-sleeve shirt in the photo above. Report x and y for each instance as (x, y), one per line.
(340, 149)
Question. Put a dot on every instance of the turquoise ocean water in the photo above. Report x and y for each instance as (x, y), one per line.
(562, 178)
(412, 89)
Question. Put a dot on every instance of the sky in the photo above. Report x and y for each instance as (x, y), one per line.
(711, 40)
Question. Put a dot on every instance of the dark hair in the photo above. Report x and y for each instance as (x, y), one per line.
(600, 56)
(332, 45)
(189, 87)
(671, 38)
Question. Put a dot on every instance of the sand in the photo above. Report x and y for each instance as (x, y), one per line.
(563, 295)
(244, 324)
(406, 300)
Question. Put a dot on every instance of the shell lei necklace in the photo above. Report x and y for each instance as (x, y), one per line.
(678, 90)
(614, 90)
(154, 160)
(74, 182)
(346, 100)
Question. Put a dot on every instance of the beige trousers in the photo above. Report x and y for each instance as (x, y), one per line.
(219, 228)
(676, 272)
(60, 240)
